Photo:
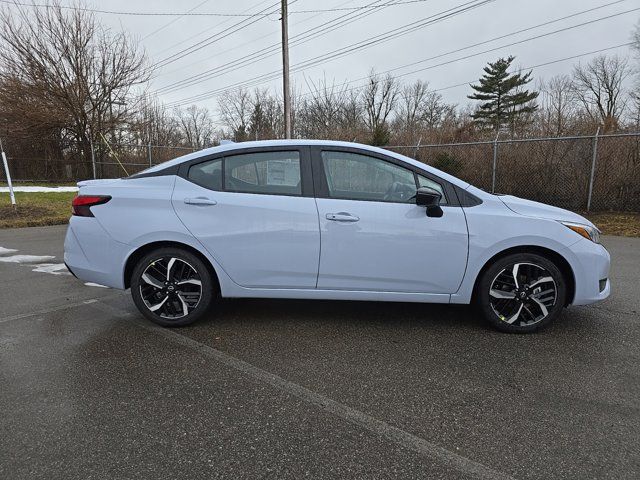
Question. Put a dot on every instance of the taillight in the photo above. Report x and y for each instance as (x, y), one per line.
(81, 204)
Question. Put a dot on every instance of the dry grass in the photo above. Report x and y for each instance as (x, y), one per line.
(625, 224)
(35, 209)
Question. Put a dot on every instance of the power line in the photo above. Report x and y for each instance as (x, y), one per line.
(505, 36)
(333, 55)
(516, 43)
(250, 19)
(272, 49)
(531, 67)
(210, 28)
(235, 47)
(171, 22)
(363, 7)
(216, 37)
(572, 57)
(266, 77)
(407, 28)
(314, 32)
(190, 13)
(402, 30)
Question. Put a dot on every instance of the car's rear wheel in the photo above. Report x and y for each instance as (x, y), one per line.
(521, 293)
(172, 287)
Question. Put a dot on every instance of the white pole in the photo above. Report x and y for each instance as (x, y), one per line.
(593, 168)
(6, 171)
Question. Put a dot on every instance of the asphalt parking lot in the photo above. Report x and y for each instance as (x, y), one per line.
(292, 389)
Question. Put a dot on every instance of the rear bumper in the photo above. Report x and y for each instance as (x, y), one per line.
(70, 271)
(91, 255)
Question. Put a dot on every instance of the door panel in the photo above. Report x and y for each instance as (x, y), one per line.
(374, 236)
(392, 247)
(259, 240)
(268, 240)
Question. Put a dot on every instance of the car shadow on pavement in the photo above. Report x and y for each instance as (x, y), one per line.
(343, 312)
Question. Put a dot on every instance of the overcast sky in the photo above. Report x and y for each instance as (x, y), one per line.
(500, 17)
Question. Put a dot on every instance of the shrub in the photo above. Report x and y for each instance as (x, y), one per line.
(447, 162)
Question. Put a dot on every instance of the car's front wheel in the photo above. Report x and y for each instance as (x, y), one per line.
(172, 287)
(521, 293)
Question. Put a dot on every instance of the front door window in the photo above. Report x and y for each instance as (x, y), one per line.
(352, 176)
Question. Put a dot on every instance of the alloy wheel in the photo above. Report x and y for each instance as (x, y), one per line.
(522, 294)
(170, 287)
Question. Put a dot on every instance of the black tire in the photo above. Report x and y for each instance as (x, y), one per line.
(524, 304)
(178, 294)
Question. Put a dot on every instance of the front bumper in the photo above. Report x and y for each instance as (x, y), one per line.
(591, 263)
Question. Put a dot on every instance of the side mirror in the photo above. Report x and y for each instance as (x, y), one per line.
(430, 198)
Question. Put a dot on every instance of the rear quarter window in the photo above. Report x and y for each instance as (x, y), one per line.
(207, 174)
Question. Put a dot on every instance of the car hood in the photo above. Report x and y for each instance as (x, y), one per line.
(530, 208)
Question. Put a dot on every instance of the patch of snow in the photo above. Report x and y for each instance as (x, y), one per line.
(40, 189)
(52, 268)
(26, 258)
(4, 251)
(91, 284)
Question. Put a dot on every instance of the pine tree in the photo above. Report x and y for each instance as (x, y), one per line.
(502, 95)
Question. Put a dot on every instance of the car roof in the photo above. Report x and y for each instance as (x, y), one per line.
(231, 146)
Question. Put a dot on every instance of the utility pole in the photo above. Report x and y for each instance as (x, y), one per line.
(285, 71)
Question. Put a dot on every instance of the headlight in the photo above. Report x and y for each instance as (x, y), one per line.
(590, 233)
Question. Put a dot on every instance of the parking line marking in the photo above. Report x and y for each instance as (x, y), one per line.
(349, 414)
(356, 417)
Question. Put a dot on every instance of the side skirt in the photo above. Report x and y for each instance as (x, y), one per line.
(314, 294)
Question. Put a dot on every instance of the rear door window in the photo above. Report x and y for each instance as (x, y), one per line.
(274, 173)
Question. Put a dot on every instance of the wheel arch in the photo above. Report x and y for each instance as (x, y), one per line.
(141, 251)
(555, 257)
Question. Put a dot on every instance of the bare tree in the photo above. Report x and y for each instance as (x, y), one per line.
(599, 87)
(380, 95)
(557, 107)
(76, 76)
(235, 108)
(419, 108)
(352, 124)
(321, 111)
(267, 117)
(196, 126)
(154, 124)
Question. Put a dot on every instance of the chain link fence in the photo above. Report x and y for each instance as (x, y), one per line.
(127, 159)
(99, 160)
(598, 172)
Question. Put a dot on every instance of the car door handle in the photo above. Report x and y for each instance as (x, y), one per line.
(341, 217)
(199, 201)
